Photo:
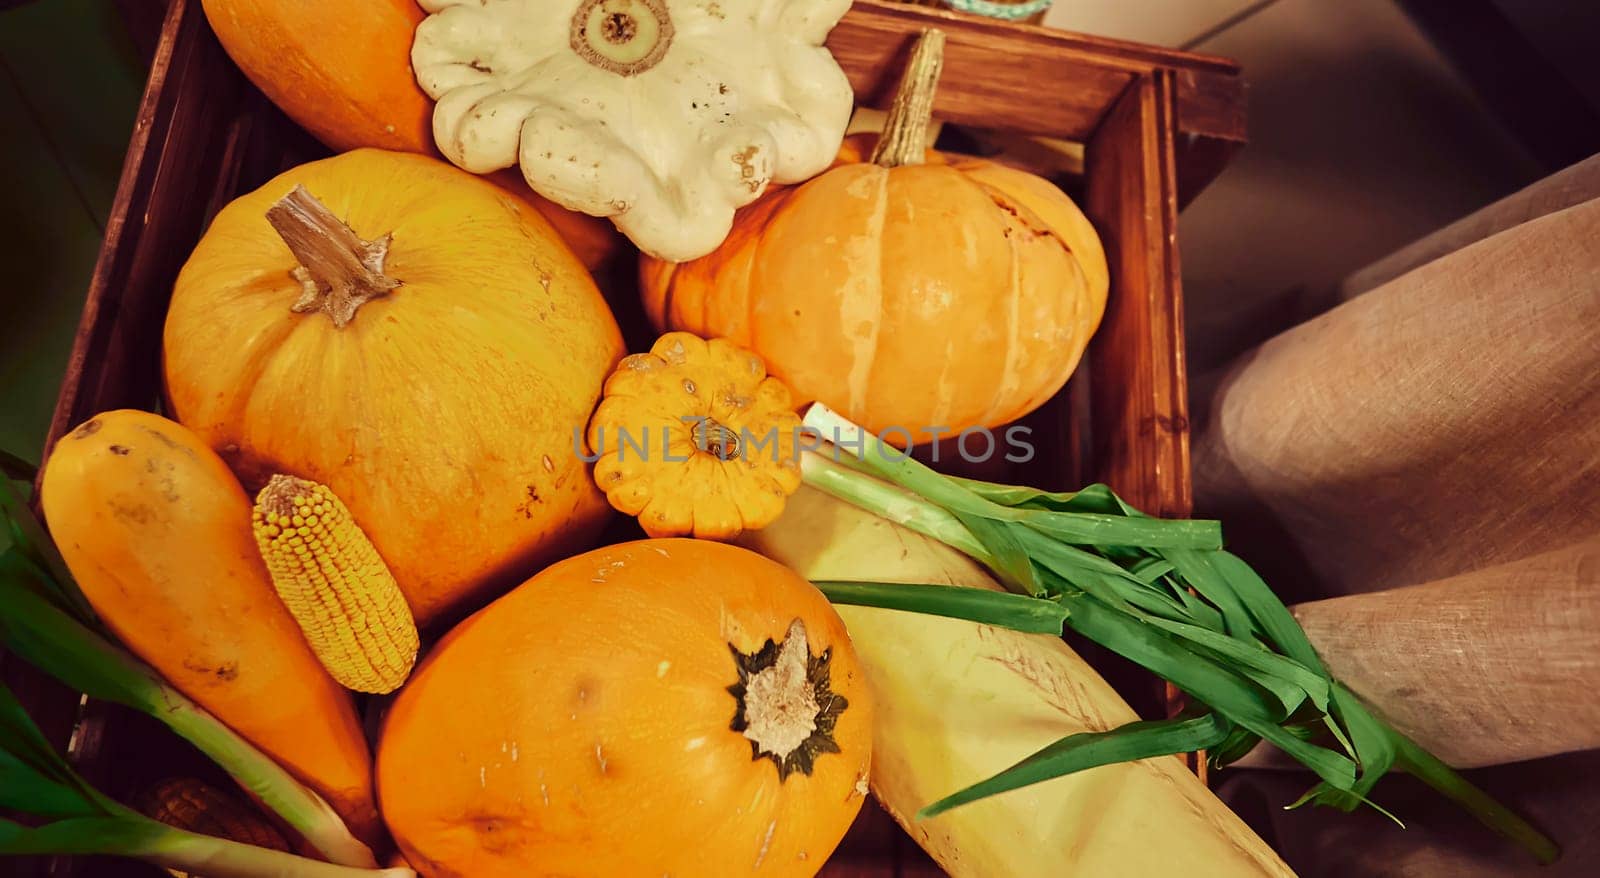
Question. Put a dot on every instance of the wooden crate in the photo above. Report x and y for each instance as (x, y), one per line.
(1157, 127)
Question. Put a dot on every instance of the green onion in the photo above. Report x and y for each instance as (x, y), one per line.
(79, 820)
(1161, 593)
(998, 608)
(1080, 752)
(45, 620)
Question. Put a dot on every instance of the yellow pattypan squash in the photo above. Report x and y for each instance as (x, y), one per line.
(694, 438)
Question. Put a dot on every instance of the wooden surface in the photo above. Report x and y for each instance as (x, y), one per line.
(205, 135)
(1036, 80)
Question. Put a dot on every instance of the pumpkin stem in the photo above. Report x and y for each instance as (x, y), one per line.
(905, 134)
(338, 272)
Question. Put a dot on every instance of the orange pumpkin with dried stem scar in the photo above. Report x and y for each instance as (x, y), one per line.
(662, 707)
(404, 333)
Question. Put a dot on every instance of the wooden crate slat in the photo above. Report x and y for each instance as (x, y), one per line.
(986, 82)
(1041, 81)
(1140, 404)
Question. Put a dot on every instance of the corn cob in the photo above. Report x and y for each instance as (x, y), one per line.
(195, 806)
(958, 702)
(335, 585)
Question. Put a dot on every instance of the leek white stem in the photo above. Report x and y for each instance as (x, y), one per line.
(819, 470)
(836, 428)
(302, 809)
(220, 858)
(42, 633)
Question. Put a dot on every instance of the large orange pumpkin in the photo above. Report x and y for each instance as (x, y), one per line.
(662, 707)
(341, 69)
(429, 362)
(906, 294)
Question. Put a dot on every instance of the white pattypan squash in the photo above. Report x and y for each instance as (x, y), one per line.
(664, 115)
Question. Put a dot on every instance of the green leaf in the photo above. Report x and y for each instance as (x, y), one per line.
(1112, 584)
(1233, 748)
(1153, 592)
(1332, 725)
(24, 742)
(1092, 517)
(1001, 609)
(1084, 528)
(1150, 600)
(1077, 568)
(1008, 559)
(1255, 658)
(1020, 496)
(33, 777)
(1150, 570)
(1074, 753)
(1100, 496)
(1343, 800)
(1090, 529)
(1200, 612)
(1374, 747)
(1268, 610)
(1431, 770)
(1217, 687)
(1096, 498)
(125, 834)
(29, 540)
(1197, 570)
(24, 789)
(17, 569)
(47, 637)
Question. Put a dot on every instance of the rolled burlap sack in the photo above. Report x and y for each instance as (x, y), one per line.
(1445, 422)
(1559, 191)
(1495, 666)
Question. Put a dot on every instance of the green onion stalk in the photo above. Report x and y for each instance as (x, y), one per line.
(80, 820)
(1162, 593)
(45, 620)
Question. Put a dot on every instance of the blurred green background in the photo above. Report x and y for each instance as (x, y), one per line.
(70, 80)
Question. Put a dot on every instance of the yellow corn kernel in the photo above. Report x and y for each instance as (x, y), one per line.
(334, 583)
(194, 806)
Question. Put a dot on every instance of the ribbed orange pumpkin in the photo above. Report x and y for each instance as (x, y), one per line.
(417, 341)
(905, 294)
(341, 69)
(662, 707)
